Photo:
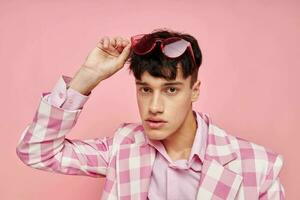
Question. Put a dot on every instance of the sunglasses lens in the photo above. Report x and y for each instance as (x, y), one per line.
(175, 48)
(135, 39)
(143, 45)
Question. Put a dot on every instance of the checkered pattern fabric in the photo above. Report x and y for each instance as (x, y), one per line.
(233, 168)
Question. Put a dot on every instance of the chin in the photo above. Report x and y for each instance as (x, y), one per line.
(155, 134)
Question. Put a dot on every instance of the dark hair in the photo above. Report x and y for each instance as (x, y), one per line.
(157, 65)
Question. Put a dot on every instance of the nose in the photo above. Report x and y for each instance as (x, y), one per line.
(156, 104)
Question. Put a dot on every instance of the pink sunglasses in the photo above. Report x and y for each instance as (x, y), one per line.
(172, 47)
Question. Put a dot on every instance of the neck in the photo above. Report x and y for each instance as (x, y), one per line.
(180, 143)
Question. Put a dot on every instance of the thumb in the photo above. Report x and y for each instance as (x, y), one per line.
(125, 53)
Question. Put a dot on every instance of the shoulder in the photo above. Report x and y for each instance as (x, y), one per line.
(246, 150)
(129, 133)
(256, 158)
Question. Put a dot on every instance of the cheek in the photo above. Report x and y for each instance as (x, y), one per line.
(180, 102)
(179, 107)
(179, 111)
(142, 104)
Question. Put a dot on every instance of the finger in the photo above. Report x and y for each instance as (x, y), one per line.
(105, 41)
(120, 45)
(125, 42)
(113, 42)
(125, 54)
(120, 48)
(100, 43)
(119, 41)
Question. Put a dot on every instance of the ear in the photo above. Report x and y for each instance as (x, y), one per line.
(195, 91)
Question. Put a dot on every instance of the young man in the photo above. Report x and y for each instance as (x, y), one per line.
(174, 153)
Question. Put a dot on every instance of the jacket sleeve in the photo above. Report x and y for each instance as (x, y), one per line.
(43, 144)
(272, 188)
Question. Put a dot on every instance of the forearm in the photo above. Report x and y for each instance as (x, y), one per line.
(84, 81)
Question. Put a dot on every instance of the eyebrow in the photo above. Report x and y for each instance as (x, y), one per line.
(165, 84)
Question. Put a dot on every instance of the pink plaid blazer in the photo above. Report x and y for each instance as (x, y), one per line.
(233, 168)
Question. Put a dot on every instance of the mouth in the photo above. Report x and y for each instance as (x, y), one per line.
(155, 124)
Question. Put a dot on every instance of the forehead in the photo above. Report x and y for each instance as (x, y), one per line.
(149, 80)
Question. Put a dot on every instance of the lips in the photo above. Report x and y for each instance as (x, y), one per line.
(155, 123)
(152, 119)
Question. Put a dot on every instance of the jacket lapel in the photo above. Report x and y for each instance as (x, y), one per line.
(134, 167)
(217, 181)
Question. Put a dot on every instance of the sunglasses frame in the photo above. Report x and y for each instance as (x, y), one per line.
(135, 40)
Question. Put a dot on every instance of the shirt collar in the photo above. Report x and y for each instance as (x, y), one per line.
(199, 143)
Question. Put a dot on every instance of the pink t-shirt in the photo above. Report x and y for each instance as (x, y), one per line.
(170, 180)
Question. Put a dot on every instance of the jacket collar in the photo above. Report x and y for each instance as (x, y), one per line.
(137, 159)
(218, 147)
(216, 143)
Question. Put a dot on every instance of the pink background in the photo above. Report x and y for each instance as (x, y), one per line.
(250, 76)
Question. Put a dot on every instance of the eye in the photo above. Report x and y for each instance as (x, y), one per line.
(172, 90)
(145, 90)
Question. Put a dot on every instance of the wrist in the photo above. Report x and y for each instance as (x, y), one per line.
(83, 82)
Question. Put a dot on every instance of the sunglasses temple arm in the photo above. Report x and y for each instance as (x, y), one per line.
(192, 55)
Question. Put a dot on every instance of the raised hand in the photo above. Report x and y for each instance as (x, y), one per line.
(108, 57)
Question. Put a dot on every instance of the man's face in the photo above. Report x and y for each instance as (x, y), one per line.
(162, 100)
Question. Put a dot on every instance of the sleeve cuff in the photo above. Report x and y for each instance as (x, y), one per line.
(66, 98)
